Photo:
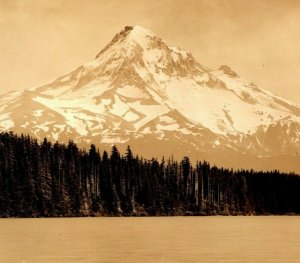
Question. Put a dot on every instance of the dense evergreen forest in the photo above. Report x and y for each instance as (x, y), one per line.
(44, 179)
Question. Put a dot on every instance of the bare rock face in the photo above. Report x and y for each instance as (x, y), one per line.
(157, 98)
(228, 71)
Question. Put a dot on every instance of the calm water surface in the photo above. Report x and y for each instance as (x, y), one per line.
(172, 239)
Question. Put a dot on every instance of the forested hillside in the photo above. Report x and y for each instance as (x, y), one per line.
(44, 179)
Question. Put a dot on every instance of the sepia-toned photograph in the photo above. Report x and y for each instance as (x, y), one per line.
(149, 131)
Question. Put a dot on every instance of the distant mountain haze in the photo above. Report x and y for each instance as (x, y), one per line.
(142, 92)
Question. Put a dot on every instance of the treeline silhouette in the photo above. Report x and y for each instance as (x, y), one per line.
(44, 179)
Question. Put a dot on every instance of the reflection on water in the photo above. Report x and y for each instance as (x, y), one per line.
(160, 239)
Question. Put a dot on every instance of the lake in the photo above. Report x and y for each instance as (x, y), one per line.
(157, 239)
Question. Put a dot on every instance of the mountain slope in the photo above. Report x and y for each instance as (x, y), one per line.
(158, 98)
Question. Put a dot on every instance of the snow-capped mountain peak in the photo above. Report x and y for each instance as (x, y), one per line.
(147, 53)
(138, 33)
(128, 36)
(141, 91)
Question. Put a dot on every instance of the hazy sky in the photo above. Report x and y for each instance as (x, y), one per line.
(260, 39)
